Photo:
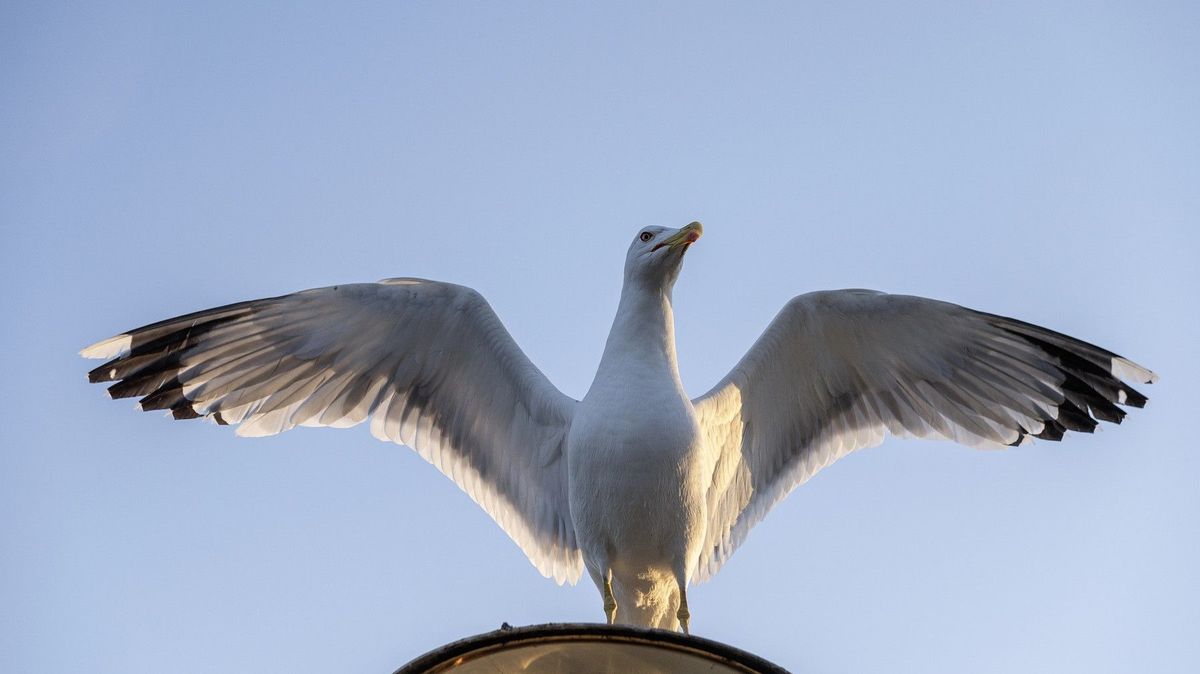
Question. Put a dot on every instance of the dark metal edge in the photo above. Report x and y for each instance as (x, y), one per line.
(481, 644)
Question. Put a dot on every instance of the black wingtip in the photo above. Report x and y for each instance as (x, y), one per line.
(102, 373)
(1053, 431)
(153, 358)
(184, 410)
(168, 396)
(1092, 391)
(1075, 419)
(1133, 398)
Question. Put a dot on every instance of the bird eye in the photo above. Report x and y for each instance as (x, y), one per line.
(646, 236)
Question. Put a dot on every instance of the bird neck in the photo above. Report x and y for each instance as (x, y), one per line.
(642, 339)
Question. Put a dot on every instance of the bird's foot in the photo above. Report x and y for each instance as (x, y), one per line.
(683, 614)
(610, 602)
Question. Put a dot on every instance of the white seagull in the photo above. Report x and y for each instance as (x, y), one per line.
(646, 488)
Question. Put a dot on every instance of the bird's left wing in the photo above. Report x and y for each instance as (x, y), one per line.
(836, 370)
(429, 363)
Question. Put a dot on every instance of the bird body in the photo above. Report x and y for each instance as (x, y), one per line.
(637, 464)
(647, 489)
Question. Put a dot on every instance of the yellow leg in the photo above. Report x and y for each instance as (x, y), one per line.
(683, 614)
(610, 602)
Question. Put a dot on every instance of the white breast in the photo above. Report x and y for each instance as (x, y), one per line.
(636, 483)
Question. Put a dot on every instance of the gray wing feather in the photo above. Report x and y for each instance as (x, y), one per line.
(837, 370)
(428, 363)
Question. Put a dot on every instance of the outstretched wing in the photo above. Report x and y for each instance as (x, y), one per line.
(429, 363)
(836, 370)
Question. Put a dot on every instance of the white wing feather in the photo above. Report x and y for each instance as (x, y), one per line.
(837, 370)
(429, 363)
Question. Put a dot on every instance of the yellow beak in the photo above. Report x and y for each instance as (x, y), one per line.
(684, 237)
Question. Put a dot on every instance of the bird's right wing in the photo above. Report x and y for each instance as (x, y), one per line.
(429, 363)
(836, 370)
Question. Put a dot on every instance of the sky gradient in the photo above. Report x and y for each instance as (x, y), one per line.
(1033, 159)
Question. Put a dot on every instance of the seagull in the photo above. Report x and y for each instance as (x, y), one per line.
(647, 489)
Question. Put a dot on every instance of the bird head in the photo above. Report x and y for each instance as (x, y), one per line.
(656, 254)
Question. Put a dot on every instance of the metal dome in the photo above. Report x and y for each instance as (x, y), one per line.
(587, 648)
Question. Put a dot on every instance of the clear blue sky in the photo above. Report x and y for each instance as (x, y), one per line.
(1035, 159)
